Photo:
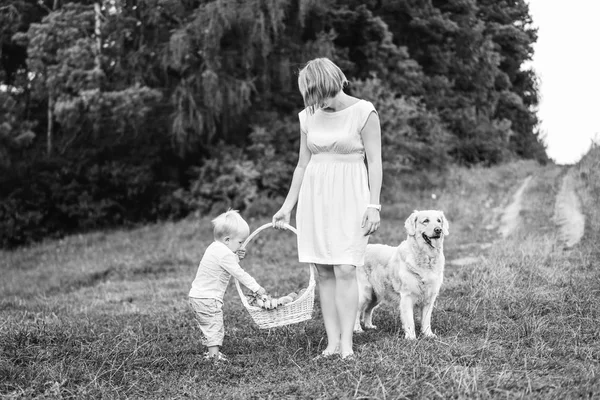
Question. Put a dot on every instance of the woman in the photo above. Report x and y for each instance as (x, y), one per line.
(338, 199)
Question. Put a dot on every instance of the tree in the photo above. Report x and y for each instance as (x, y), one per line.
(413, 138)
(65, 56)
(15, 16)
(220, 53)
(162, 103)
(14, 133)
(16, 130)
(470, 53)
(511, 28)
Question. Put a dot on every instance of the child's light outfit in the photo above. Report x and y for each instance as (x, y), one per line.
(209, 314)
(335, 189)
(217, 266)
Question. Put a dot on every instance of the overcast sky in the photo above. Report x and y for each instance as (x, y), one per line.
(567, 60)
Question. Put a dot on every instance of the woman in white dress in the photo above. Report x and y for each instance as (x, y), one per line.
(336, 192)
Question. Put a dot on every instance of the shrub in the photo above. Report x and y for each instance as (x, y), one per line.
(414, 141)
(51, 198)
(226, 180)
(274, 149)
(254, 179)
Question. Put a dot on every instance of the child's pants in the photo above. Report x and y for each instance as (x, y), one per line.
(209, 314)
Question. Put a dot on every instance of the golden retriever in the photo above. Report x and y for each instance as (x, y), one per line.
(410, 274)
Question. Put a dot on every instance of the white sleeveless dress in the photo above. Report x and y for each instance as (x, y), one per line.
(335, 188)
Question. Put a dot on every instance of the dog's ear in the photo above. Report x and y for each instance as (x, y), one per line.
(445, 225)
(411, 224)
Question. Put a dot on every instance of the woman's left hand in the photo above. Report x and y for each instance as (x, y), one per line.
(370, 221)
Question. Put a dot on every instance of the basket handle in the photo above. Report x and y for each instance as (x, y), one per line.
(311, 267)
(262, 228)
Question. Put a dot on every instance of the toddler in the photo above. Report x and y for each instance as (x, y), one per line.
(219, 262)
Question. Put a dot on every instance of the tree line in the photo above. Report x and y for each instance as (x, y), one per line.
(115, 112)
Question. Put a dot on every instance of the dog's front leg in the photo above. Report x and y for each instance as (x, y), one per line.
(357, 327)
(361, 307)
(407, 316)
(426, 318)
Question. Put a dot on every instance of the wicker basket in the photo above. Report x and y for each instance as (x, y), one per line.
(297, 311)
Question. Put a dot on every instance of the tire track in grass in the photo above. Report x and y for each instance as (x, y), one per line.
(567, 216)
(509, 221)
(567, 213)
(510, 218)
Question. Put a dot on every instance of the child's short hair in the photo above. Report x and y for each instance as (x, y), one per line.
(230, 223)
(320, 79)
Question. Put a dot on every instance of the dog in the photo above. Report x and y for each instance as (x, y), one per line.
(409, 275)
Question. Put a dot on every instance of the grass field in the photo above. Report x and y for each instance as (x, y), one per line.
(105, 315)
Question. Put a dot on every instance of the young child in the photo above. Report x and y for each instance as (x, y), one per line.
(219, 262)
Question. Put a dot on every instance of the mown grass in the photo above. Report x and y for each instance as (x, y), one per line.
(105, 315)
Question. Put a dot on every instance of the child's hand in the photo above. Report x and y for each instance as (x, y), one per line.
(241, 253)
(263, 296)
(261, 299)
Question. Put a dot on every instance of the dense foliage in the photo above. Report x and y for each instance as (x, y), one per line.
(124, 111)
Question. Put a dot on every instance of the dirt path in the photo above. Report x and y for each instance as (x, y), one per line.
(567, 212)
(510, 217)
(505, 221)
(567, 217)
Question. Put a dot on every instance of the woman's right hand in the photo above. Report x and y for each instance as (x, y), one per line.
(281, 218)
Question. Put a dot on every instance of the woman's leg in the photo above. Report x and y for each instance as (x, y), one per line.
(346, 301)
(327, 295)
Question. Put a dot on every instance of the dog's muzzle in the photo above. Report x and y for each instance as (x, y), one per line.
(428, 238)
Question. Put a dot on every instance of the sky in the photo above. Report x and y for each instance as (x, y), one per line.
(567, 61)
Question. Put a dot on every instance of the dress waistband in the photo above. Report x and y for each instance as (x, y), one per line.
(328, 157)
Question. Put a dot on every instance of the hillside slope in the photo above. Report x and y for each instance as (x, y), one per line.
(105, 314)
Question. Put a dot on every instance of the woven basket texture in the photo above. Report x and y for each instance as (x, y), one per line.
(297, 311)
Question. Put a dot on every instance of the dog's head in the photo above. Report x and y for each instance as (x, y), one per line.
(428, 226)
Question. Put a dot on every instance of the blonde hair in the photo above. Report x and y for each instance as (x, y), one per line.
(320, 79)
(230, 223)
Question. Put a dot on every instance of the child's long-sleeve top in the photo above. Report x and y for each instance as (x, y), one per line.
(217, 266)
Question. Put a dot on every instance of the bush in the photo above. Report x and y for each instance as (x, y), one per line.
(51, 198)
(414, 140)
(226, 180)
(274, 149)
(255, 179)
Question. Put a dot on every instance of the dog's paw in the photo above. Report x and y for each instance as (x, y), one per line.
(358, 330)
(429, 334)
(410, 337)
(371, 327)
